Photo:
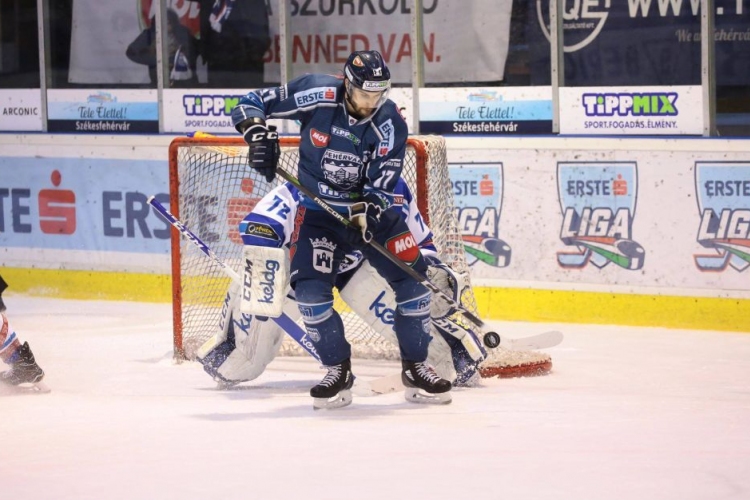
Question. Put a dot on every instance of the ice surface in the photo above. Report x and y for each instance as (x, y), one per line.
(626, 414)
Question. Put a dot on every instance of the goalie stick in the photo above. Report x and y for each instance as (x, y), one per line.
(375, 387)
(542, 340)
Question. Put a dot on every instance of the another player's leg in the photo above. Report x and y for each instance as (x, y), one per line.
(315, 256)
(412, 322)
(24, 369)
(372, 299)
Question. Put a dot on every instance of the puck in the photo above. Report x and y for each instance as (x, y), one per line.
(491, 339)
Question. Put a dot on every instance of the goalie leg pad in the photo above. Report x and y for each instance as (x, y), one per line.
(264, 280)
(243, 345)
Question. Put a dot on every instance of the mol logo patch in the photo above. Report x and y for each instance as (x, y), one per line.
(319, 139)
(723, 194)
(405, 247)
(598, 204)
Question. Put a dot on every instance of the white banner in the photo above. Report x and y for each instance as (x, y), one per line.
(21, 110)
(631, 110)
(463, 41)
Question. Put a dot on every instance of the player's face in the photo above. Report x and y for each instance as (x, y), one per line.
(362, 103)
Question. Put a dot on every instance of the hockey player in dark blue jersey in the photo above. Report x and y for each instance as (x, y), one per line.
(353, 142)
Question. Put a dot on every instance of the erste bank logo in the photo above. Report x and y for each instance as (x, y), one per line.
(723, 195)
(598, 206)
(478, 195)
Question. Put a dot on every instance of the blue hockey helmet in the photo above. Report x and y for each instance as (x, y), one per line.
(368, 81)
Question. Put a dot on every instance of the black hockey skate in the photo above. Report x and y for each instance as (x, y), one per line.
(420, 376)
(3, 286)
(25, 371)
(334, 391)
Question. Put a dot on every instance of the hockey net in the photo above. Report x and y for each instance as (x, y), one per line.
(212, 190)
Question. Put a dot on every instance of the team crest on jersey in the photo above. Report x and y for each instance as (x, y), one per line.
(342, 170)
(323, 254)
(723, 194)
(319, 139)
(598, 202)
(405, 247)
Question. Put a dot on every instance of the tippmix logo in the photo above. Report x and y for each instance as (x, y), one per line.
(723, 195)
(630, 104)
(598, 203)
(209, 104)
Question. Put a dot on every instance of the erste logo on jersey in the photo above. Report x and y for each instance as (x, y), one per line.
(319, 139)
(405, 247)
(314, 96)
(387, 130)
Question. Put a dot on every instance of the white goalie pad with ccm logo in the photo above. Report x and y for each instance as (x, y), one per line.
(264, 281)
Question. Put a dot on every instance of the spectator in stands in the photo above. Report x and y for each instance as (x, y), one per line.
(234, 38)
(183, 52)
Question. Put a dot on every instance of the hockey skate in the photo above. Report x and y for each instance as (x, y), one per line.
(334, 391)
(420, 376)
(24, 373)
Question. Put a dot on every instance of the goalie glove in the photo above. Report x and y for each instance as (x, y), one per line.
(450, 283)
(365, 214)
(264, 148)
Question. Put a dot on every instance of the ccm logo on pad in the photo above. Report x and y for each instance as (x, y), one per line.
(319, 139)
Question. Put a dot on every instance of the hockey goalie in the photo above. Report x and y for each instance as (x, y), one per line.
(245, 343)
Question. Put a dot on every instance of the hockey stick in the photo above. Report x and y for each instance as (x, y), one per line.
(375, 387)
(380, 248)
(542, 340)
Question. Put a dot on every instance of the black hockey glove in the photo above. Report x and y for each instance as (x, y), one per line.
(366, 214)
(264, 149)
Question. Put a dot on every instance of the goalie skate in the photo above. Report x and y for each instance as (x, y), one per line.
(423, 385)
(334, 391)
